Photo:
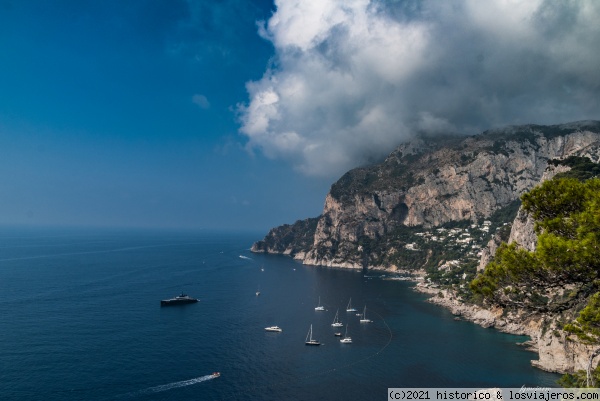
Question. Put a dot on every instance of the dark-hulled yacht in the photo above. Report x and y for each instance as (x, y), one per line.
(178, 300)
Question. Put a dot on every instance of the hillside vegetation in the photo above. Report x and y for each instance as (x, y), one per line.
(561, 277)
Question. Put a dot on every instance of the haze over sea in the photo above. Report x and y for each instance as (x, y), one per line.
(81, 320)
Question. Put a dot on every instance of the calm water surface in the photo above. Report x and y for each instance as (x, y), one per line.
(81, 320)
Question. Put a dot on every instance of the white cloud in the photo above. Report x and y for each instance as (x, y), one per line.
(201, 101)
(351, 79)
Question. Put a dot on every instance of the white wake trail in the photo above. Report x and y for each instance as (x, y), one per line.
(170, 386)
(184, 383)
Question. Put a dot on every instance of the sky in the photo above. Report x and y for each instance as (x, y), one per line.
(240, 114)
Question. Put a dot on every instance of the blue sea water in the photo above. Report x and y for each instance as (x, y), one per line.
(81, 320)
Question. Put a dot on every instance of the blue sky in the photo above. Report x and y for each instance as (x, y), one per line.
(124, 114)
(239, 114)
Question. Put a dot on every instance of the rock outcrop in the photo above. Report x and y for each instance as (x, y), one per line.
(288, 239)
(428, 183)
(555, 352)
(558, 351)
(460, 194)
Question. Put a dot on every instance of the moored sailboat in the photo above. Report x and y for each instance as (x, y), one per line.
(349, 308)
(320, 307)
(309, 340)
(346, 339)
(336, 321)
(364, 316)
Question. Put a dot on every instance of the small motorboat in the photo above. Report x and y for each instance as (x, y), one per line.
(274, 328)
(216, 374)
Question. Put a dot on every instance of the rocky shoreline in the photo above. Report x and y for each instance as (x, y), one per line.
(556, 352)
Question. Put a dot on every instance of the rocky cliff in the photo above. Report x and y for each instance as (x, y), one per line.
(558, 351)
(555, 352)
(373, 215)
(441, 208)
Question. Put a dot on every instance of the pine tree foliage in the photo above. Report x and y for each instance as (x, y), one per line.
(579, 379)
(564, 269)
(587, 325)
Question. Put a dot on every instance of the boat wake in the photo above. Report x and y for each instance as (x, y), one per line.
(245, 257)
(171, 386)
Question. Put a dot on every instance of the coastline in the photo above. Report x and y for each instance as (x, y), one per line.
(557, 352)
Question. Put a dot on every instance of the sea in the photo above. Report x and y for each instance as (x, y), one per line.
(80, 319)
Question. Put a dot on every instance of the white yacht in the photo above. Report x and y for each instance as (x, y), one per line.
(274, 328)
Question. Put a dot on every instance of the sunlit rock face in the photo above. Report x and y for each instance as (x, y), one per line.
(428, 182)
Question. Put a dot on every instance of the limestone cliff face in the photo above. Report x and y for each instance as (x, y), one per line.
(428, 183)
(557, 354)
(523, 226)
(431, 182)
(288, 239)
(522, 229)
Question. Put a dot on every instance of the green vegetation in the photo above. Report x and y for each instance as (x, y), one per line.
(587, 325)
(582, 168)
(587, 328)
(505, 214)
(299, 236)
(526, 136)
(565, 267)
(579, 379)
(467, 158)
(499, 147)
(354, 181)
(563, 273)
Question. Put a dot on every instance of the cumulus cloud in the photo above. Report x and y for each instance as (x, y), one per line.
(200, 101)
(351, 79)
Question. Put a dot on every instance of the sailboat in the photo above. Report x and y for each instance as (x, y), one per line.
(349, 308)
(336, 321)
(346, 339)
(309, 340)
(364, 316)
(320, 307)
